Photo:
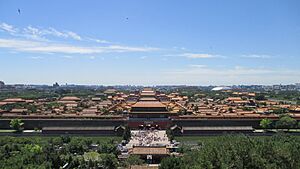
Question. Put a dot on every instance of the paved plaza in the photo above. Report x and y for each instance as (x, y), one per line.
(148, 138)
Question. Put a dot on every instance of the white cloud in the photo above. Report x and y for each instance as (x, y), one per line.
(195, 55)
(36, 57)
(256, 56)
(40, 43)
(36, 33)
(198, 66)
(73, 35)
(129, 48)
(67, 56)
(54, 32)
(32, 33)
(98, 40)
(32, 30)
(236, 75)
(46, 47)
(199, 55)
(179, 48)
(8, 28)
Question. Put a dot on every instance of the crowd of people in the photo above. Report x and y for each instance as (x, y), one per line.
(149, 137)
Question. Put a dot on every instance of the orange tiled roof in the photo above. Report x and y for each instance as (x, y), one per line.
(18, 110)
(149, 150)
(14, 100)
(234, 99)
(148, 104)
(148, 99)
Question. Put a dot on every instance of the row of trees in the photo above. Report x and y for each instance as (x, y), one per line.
(285, 122)
(233, 152)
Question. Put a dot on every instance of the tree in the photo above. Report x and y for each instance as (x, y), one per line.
(108, 161)
(171, 163)
(265, 123)
(32, 108)
(33, 148)
(108, 148)
(247, 109)
(281, 111)
(65, 138)
(286, 122)
(182, 111)
(196, 108)
(133, 160)
(170, 134)
(127, 133)
(260, 97)
(93, 156)
(17, 124)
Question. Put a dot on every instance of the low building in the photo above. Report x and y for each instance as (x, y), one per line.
(153, 154)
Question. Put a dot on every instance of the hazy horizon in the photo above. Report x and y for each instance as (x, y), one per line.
(145, 85)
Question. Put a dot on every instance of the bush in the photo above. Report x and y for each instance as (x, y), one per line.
(279, 151)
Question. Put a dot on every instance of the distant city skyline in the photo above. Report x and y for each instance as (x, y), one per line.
(150, 42)
(297, 85)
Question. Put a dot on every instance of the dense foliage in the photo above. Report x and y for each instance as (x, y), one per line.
(17, 124)
(285, 122)
(44, 152)
(27, 94)
(286, 95)
(47, 93)
(265, 123)
(276, 152)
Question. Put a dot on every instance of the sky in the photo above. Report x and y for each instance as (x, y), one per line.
(150, 42)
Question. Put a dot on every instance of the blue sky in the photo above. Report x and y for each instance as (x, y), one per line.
(153, 42)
